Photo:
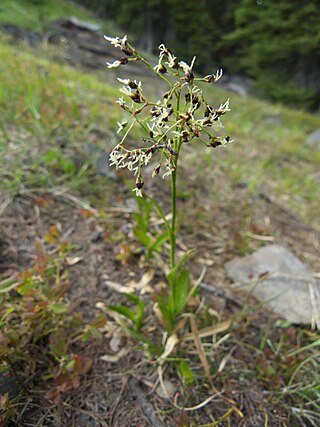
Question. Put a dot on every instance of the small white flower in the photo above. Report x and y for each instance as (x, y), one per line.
(114, 158)
(169, 172)
(172, 61)
(162, 48)
(187, 68)
(145, 158)
(123, 81)
(225, 107)
(150, 127)
(133, 84)
(125, 90)
(116, 41)
(114, 64)
(218, 74)
(154, 129)
(121, 103)
(138, 192)
(213, 77)
(226, 140)
(121, 126)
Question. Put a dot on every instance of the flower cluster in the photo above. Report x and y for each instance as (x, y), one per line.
(124, 46)
(180, 116)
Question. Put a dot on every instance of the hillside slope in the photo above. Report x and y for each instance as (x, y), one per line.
(57, 127)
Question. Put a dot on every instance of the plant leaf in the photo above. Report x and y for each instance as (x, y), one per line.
(7, 285)
(125, 311)
(159, 241)
(58, 308)
(186, 372)
(143, 238)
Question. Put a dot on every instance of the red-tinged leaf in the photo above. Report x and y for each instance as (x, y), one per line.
(53, 396)
(43, 201)
(25, 275)
(58, 376)
(76, 382)
(86, 213)
(82, 364)
(99, 321)
(40, 306)
(86, 365)
(3, 401)
(67, 385)
(3, 339)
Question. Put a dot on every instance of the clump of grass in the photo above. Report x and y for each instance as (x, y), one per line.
(38, 15)
(41, 103)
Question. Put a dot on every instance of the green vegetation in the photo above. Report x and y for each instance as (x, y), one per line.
(38, 14)
(41, 104)
(38, 329)
(279, 46)
(275, 42)
(45, 101)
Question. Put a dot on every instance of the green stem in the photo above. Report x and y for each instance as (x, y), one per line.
(156, 72)
(173, 219)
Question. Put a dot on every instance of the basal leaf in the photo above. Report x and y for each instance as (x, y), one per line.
(186, 372)
(125, 311)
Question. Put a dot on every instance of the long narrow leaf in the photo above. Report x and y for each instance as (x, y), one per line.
(161, 214)
(125, 311)
(143, 238)
(181, 291)
(7, 285)
(153, 348)
(160, 240)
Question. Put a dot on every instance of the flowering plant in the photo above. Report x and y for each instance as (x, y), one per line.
(182, 115)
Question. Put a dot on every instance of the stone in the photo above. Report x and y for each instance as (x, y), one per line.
(96, 236)
(74, 22)
(273, 120)
(101, 160)
(275, 276)
(238, 84)
(313, 138)
(169, 391)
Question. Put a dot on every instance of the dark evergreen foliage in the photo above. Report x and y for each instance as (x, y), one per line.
(277, 42)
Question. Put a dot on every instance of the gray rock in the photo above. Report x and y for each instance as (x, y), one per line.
(238, 84)
(313, 138)
(96, 237)
(277, 277)
(101, 160)
(273, 119)
(74, 22)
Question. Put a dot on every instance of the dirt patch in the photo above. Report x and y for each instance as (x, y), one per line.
(122, 394)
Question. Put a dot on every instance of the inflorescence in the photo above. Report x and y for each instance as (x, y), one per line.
(180, 116)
